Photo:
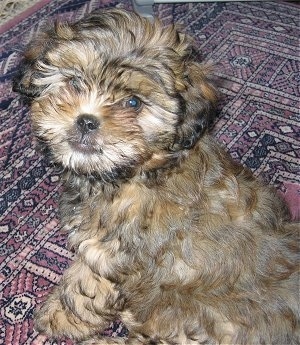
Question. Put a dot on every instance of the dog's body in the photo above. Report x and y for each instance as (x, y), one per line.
(171, 235)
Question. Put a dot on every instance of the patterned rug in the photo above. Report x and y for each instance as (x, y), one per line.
(10, 9)
(255, 46)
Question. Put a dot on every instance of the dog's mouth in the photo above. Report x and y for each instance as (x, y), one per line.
(84, 148)
(84, 144)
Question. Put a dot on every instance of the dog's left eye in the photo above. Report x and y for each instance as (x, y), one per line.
(133, 102)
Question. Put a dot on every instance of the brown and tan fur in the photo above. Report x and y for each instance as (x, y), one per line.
(171, 235)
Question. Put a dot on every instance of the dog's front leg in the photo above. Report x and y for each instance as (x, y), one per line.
(80, 306)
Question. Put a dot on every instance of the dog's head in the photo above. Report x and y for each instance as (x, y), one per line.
(114, 94)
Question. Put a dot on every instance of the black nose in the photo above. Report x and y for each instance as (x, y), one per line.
(87, 123)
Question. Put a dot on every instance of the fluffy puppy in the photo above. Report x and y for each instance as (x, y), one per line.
(170, 234)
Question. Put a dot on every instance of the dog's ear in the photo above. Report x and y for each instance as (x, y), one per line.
(27, 71)
(22, 81)
(199, 99)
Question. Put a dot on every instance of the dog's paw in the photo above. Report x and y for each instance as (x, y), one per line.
(55, 321)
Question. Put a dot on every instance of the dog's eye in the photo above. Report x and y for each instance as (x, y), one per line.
(133, 102)
(75, 82)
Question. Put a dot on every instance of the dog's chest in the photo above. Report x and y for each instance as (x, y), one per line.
(132, 230)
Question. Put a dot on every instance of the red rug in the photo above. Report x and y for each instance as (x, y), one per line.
(255, 46)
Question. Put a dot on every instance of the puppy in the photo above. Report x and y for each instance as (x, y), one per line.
(170, 235)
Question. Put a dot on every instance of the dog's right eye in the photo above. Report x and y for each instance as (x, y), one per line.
(75, 82)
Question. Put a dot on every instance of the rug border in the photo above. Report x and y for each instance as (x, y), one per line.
(21, 16)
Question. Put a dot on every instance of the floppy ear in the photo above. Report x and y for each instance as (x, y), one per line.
(27, 72)
(22, 81)
(199, 99)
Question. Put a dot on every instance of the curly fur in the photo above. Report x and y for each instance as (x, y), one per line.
(171, 235)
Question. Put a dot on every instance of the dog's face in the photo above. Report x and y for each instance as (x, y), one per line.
(114, 94)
